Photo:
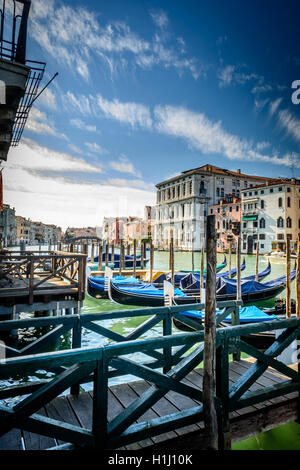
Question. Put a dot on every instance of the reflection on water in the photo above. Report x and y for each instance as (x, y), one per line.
(286, 437)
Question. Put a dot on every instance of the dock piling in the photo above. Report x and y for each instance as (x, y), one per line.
(288, 307)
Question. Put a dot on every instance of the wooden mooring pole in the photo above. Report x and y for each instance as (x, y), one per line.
(202, 267)
(238, 267)
(288, 308)
(297, 282)
(92, 253)
(106, 253)
(100, 256)
(171, 261)
(113, 254)
(151, 260)
(134, 258)
(229, 259)
(256, 262)
(209, 365)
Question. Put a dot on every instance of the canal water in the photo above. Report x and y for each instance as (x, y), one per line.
(285, 437)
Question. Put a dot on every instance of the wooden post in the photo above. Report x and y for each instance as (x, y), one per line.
(238, 267)
(297, 282)
(151, 261)
(106, 253)
(100, 256)
(143, 253)
(172, 258)
(229, 259)
(113, 254)
(288, 280)
(202, 267)
(209, 365)
(128, 248)
(134, 258)
(92, 252)
(121, 257)
(256, 263)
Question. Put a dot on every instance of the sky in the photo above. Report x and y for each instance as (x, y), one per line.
(146, 90)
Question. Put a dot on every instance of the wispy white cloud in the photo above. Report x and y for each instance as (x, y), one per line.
(123, 165)
(67, 201)
(210, 137)
(94, 147)
(131, 113)
(236, 74)
(274, 105)
(37, 122)
(290, 123)
(82, 125)
(75, 37)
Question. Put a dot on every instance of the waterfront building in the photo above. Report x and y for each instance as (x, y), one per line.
(23, 230)
(270, 216)
(149, 219)
(228, 217)
(182, 203)
(8, 226)
(79, 232)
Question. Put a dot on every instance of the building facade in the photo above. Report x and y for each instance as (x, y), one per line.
(228, 216)
(270, 216)
(183, 201)
(8, 226)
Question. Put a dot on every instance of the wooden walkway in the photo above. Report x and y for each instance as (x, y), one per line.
(246, 422)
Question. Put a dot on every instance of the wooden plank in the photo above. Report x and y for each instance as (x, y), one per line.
(82, 406)
(127, 396)
(60, 409)
(12, 440)
(139, 388)
(35, 441)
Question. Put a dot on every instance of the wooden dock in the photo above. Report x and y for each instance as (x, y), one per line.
(78, 410)
(163, 407)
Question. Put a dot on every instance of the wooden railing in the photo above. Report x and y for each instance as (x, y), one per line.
(36, 271)
(169, 359)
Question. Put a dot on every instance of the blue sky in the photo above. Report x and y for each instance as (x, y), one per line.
(147, 89)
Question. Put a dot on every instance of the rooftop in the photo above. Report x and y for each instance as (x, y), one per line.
(211, 169)
(277, 182)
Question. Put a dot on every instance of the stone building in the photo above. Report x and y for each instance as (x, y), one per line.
(228, 216)
(182, 203)
(8, 226)
(270, 216)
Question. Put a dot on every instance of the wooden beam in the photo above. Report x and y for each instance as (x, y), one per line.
(297, 286)
(238, 267)
(202, 267)
(209, 369)
(288, 279)
(256, 261)
(229, 259)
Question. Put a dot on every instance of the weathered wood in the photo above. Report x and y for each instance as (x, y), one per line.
(100, 255)
(209, 375)
(238, 267)
(92, 252)
(172, 258)
(202, 267)
(134, 258)
(106, 252)
(229, 259)
(256, 261)
(113, 253)
(297, 281)
(288, 279)
(151, 260)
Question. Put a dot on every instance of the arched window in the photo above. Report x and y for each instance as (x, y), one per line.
(262, 223)
(262, 204)
(280, 202)
(289, 222)
(280, 222)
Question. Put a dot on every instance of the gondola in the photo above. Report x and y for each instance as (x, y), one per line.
(247, 315)
(191, 283)
(149, 295)
(146, 295)
(178, 276)
(96, 285)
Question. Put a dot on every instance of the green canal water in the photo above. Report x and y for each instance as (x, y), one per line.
(282, 438)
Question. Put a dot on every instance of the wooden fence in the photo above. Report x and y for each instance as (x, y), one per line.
(168, 360)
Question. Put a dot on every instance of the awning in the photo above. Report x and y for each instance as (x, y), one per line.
(250, 217)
